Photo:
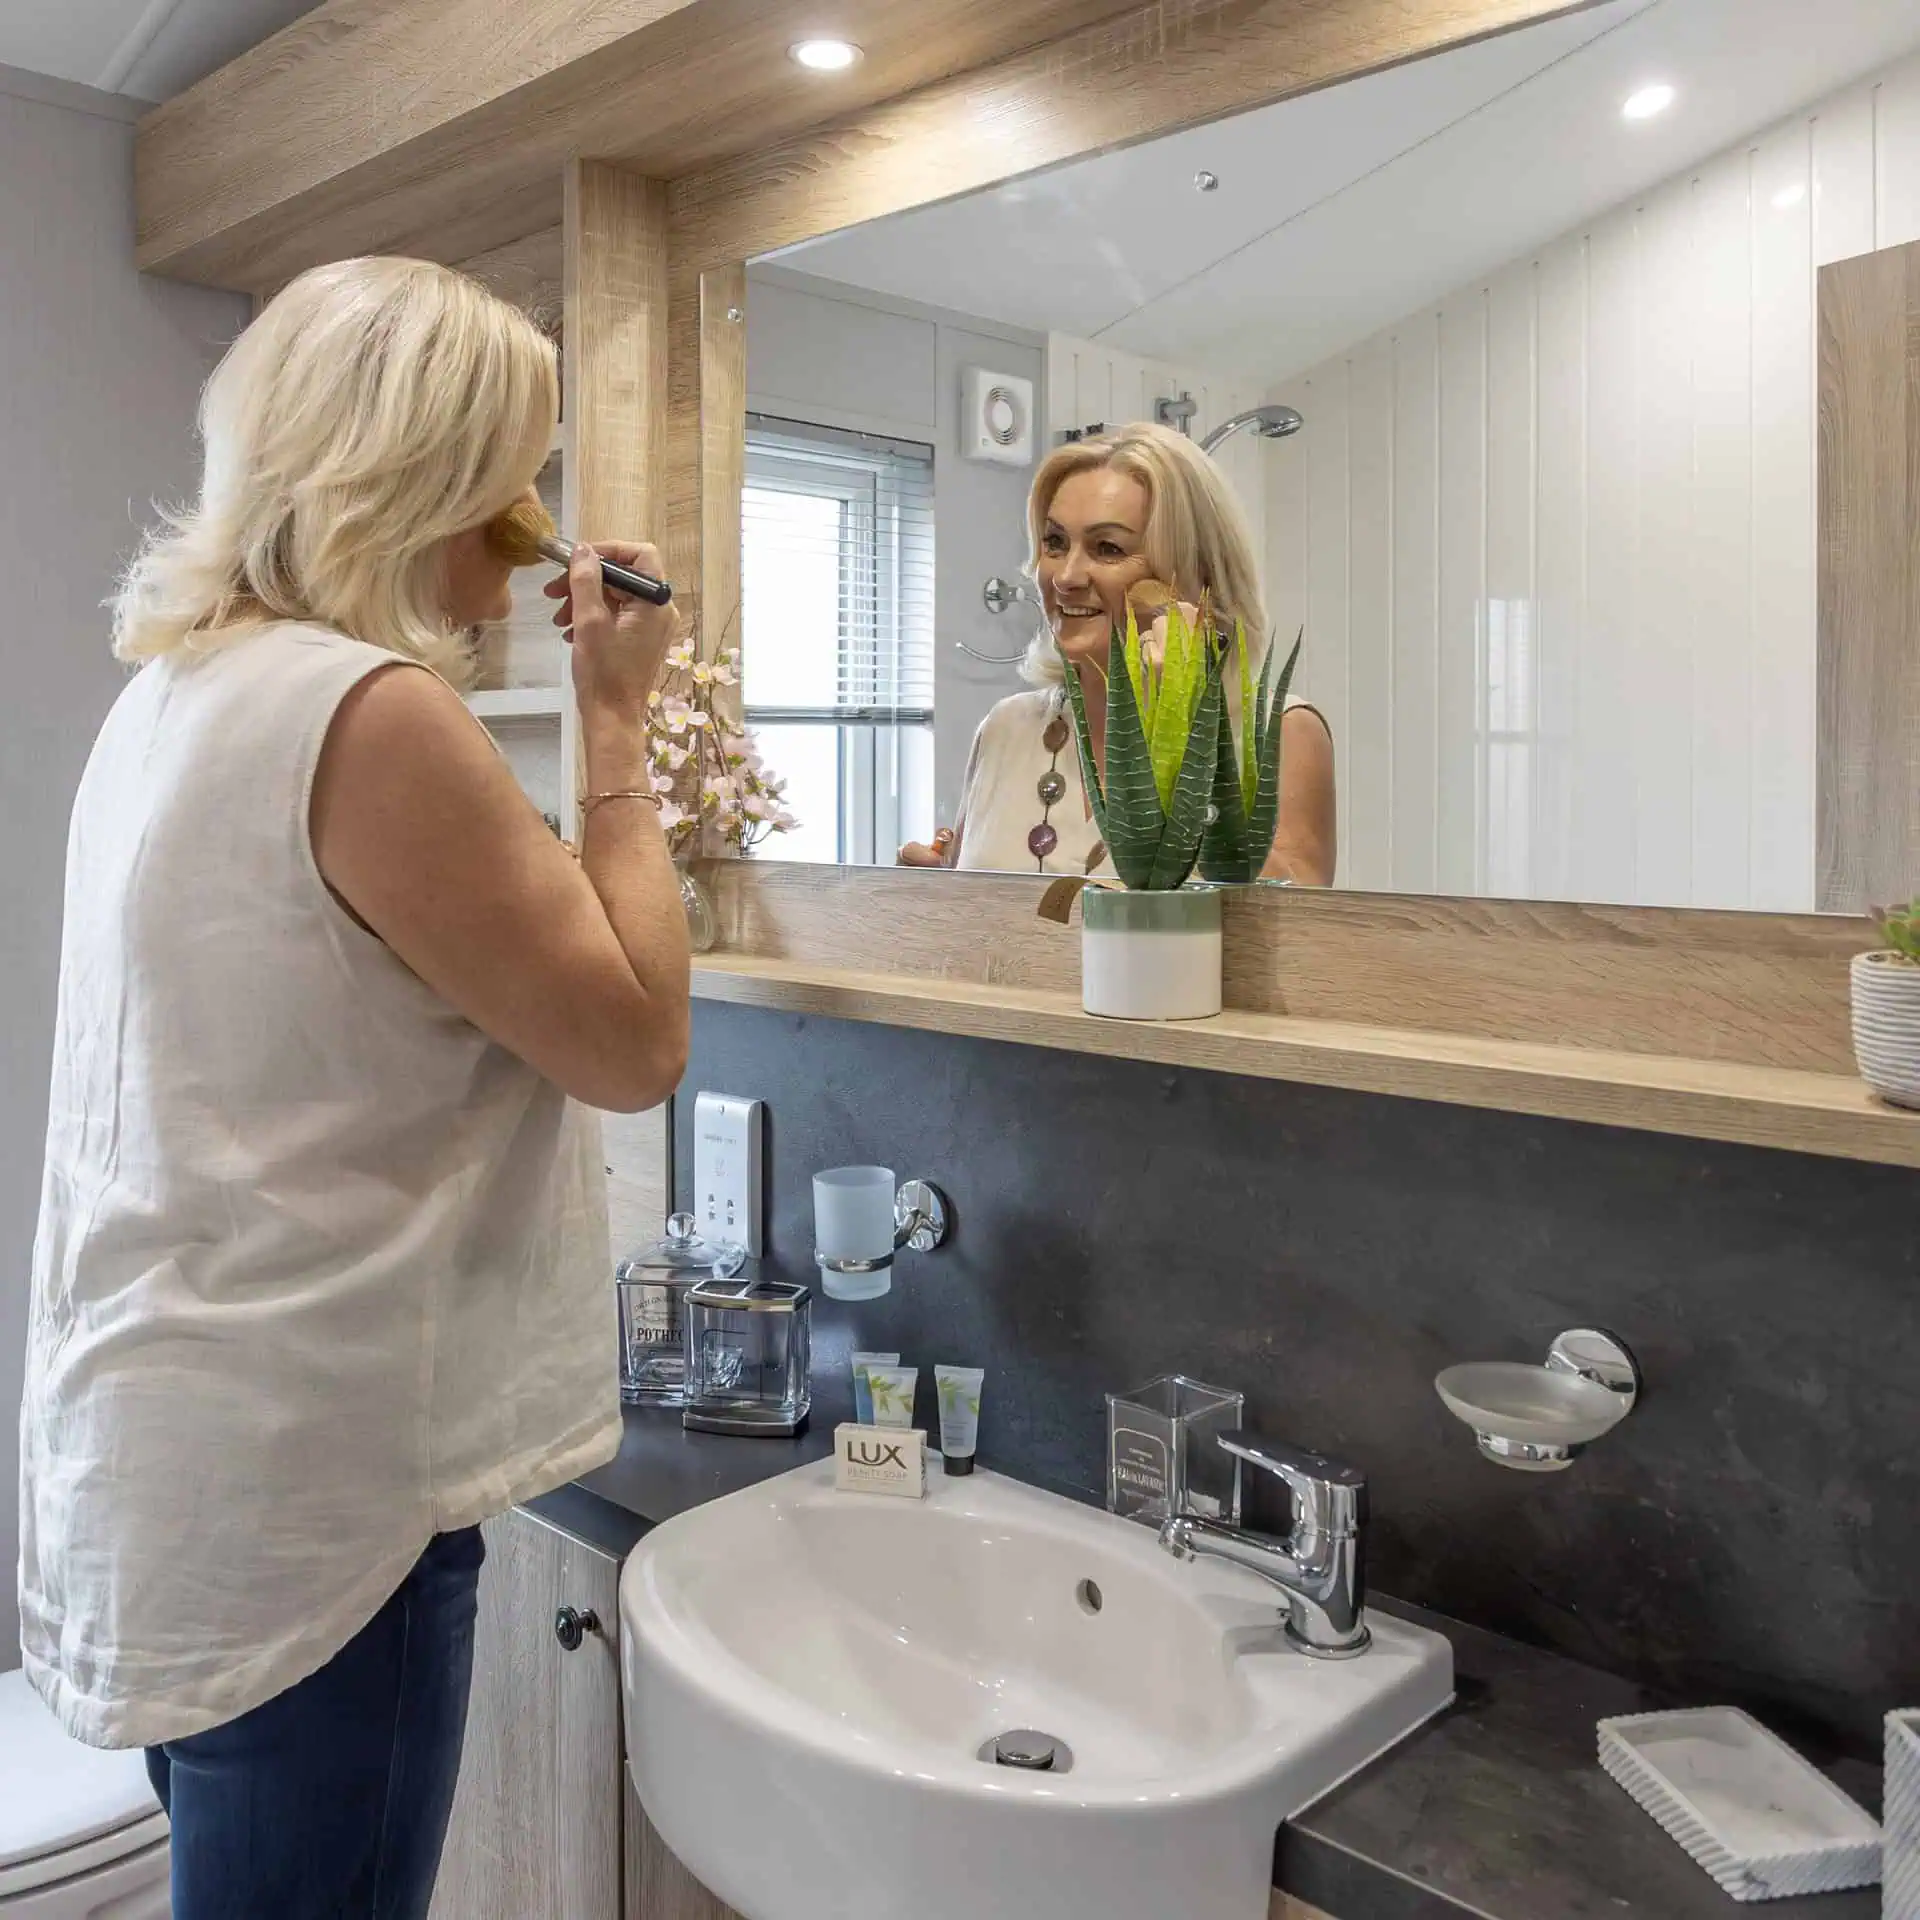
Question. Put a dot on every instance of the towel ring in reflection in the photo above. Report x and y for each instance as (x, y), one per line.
(999, 596)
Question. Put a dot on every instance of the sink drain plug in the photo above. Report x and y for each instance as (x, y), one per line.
(1029, 1750)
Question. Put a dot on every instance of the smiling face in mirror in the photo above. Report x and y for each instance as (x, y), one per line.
(1092, 550)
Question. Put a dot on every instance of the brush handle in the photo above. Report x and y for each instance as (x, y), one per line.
(642, 586)
(638, 586)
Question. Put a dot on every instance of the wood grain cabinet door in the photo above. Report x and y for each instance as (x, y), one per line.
(536, 1829)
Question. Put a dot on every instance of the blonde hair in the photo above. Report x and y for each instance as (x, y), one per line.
(374, 409)
(1196, 538)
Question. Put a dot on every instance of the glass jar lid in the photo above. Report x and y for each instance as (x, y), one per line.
(683, 1254)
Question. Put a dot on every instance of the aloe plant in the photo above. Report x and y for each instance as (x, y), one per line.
(1164, 721)
(1246, 786)
(1900, 929)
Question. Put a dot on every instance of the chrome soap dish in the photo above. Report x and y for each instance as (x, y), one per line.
(1540, 1419)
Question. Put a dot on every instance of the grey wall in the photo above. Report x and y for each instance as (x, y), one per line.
(101, 372)
(1750, 1534)
(845, 358)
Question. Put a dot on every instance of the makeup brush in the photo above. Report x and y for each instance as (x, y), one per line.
(524, 535)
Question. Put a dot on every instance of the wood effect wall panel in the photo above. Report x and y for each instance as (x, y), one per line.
(636, 1149)
(1719, 573)
(1869, 492)
(1415, 579)
(658, 1887)
(1785, 585)
(616, 358)
(531, 272)
(723, 455)
(1463, 589)
(1724, 986)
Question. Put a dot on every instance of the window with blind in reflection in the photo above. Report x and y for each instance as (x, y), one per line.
(837, 632)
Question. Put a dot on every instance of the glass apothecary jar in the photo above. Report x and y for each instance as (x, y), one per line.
(748, 1366)
(652, 1288)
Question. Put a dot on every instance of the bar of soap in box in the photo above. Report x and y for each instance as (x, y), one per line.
(880, 1460)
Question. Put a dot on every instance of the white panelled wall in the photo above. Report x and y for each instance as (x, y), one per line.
(1553, 540)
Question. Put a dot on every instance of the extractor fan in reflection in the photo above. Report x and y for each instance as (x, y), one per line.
(996, 417)
(1268, 423)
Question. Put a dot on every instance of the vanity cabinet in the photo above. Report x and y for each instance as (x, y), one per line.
(537, 1819)
(546, 1825)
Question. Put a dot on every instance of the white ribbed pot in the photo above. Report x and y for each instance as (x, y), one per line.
(1886, 1025)
(1150, 956)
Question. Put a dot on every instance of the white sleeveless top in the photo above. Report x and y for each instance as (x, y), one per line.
(1000, 801)
(321, 1270)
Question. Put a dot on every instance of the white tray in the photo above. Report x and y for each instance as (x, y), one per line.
(1746, 1806)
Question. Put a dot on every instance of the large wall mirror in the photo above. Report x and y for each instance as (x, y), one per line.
(1513, 362)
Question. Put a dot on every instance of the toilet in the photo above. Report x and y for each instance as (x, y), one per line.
(81, 1835)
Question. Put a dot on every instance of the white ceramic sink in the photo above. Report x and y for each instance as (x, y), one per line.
(811, 1675)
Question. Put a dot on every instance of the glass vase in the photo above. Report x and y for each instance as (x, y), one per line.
(703, 923)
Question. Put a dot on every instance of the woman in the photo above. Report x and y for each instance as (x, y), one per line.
(1143, 503)
(320, 1279)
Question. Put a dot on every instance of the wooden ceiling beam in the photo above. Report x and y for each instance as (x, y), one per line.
(443, 127)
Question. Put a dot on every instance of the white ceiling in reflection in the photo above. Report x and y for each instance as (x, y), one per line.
(1342, 211)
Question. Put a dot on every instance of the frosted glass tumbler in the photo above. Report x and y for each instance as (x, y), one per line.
(853, 1221)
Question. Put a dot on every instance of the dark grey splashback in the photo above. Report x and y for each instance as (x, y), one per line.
(1751, 1534)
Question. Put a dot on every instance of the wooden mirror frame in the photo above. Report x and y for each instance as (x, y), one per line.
(1722, 1025)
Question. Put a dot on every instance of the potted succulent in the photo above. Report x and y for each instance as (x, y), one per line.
(1180, 791)
(1886, 1008)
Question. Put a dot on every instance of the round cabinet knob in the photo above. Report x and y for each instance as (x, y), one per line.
(571, 1625)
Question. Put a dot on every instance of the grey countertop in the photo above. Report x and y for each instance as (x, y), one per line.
(1497, 1810)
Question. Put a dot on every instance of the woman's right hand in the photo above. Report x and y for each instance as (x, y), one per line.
(917, 853)
(619, 643)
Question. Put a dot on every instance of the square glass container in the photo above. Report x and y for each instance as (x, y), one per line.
(650, 1289)
(1163, 1451)
(749, 1366)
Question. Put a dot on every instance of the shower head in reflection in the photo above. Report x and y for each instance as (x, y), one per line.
(1270, 423)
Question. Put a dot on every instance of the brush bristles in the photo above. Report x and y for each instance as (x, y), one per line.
(515, 535)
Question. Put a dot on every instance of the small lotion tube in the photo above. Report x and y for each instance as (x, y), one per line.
(862, 1393)
(892, 1390)
(959, 1392)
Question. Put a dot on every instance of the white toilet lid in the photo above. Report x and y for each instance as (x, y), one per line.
(56, 1794)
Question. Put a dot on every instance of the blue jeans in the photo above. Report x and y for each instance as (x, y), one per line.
(330, 1802)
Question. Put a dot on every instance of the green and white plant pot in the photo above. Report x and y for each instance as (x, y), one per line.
(1886, 1025)
(1150, 956)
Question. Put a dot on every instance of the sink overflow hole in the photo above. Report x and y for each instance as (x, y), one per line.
(1088, 1594)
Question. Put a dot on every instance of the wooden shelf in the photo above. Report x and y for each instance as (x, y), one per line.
(516, 703)
(1803, 1112)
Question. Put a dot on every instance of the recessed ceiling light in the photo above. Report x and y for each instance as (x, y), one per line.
(1789, 197)
(824, 56)
(1649, 101)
